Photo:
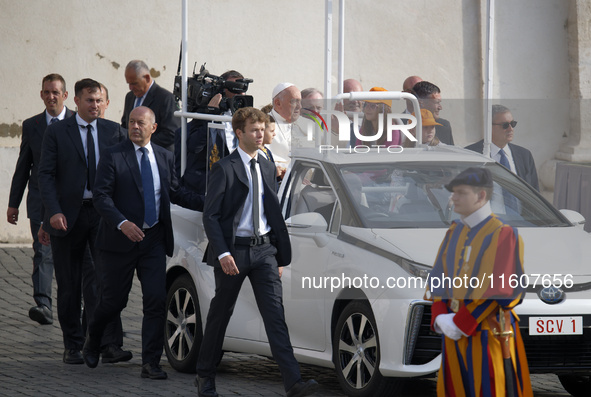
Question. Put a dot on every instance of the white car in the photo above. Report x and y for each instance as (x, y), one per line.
(365, 230)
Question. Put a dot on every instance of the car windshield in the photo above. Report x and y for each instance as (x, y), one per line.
(412, 195)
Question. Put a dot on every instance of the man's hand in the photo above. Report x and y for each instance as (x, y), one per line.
(132, 232)
(444, 323)
(43, 236)
(214, 102)
(280, 171)
(229, 266)
(59, 222)
(12, 215)
(280, 271)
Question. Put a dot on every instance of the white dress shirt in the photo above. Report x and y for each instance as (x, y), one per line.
(246, 224)
(60, 116)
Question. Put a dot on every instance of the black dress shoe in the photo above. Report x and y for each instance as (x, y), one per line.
(90, 352)
(114, 354)
(73, 356)
(206, 387)
(301, 388)
(41, 314)
(153, 371)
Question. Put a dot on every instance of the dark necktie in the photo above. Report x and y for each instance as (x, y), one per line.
(90, 157)
(148, 185)
(510, 200)
(255, 196)
(504, 160)
(54, 120)
(137, 102)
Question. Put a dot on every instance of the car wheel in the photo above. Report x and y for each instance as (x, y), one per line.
(356, 352)
(183, 330)
(576, 385)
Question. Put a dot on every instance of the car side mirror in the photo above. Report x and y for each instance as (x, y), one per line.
(308, 222)
(574, 217)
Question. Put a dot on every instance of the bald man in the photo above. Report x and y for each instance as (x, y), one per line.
(352, 85)
(407, 86)
(135, 184)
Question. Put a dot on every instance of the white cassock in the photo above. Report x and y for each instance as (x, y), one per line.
(281, 144)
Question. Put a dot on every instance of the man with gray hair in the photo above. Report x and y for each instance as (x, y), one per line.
(287, 104)
(516, 158)
(145, 92)
(312, 100)
(312, 103)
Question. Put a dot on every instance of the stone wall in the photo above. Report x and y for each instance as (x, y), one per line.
(272, 41)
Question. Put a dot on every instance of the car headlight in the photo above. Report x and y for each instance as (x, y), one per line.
(414, 268)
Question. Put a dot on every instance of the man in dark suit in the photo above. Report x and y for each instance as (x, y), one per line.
(69, 154)
(135, 234)
(145, 92)
(429, 96)
(247, 238)
(516, 158)
(53, 94)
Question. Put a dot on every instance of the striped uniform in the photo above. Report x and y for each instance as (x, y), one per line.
(483, 258)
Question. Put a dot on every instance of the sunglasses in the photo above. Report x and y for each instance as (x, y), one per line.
(506, 124)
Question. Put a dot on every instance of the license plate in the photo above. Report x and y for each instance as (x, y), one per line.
(556, 325)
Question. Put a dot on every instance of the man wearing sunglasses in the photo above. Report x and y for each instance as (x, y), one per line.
(514, 157)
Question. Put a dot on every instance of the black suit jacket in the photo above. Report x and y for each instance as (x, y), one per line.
(523, 159)
(163, 105)
(227, 189)
(62, 169)
(118, 195)
(27, 165)
(443, 131)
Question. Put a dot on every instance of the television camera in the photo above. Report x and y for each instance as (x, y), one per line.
(202, 87)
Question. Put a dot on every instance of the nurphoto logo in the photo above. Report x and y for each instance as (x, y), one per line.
(315, 122)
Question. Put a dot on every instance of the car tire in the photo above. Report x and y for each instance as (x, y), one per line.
(356, 354)
(183, 330)
(576, 385)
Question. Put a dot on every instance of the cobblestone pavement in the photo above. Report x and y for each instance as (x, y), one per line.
(31, 365)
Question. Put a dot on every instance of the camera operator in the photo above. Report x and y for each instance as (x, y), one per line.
(230, 75)
(197, 149)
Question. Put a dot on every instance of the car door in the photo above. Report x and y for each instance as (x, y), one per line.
(308, 202)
